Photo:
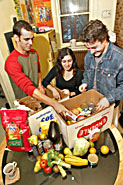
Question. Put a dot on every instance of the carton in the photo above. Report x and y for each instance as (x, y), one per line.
(70, 133)
(35, 105)
(45, 114)
(101, 119)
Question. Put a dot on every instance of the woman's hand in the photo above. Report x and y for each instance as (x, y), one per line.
(56, 94)
(72, 94)
(82, 87)
(66, 91)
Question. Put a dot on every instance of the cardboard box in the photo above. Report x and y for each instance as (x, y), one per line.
(62, 95)
(81, 128)
(101, 120)
(35, 105)
(45, 114)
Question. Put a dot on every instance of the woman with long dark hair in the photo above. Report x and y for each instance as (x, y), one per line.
(68, 75)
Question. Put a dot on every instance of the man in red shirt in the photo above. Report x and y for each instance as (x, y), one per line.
(23, 68)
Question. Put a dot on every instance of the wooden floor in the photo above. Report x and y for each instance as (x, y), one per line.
(2, 148)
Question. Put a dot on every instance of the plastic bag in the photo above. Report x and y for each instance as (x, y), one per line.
(15, 124)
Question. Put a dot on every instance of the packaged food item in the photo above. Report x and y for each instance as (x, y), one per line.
(40, 147)
(58, 146)
(71, 116)
(75, 111)
(84, 106)
(91, 107)
(15, 124)
(47, 145)
(94, 134)
(45, 126)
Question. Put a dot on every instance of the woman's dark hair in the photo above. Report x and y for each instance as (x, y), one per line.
(61, 54)
(19, 25)
(94, 30)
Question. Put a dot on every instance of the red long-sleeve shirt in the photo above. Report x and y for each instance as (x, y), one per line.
(23, 72)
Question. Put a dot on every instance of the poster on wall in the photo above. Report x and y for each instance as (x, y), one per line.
(43, 13)
(30, 11)
(18, 9)
(24, 10)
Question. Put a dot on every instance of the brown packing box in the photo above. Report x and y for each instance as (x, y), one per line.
(63, 96)
(37, 114)
(71, 132)
(35, 104)
(86, 97)
(101, 119)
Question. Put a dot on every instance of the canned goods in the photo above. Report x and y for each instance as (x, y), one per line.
(40, 147)
(84, 106)
(91, 107)
(58, 146)
(35, 151)
(47, 145)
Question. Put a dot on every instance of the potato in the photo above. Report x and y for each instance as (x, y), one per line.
(55, 169)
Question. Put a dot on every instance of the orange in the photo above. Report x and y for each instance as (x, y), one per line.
(104, 149)
(92, 150)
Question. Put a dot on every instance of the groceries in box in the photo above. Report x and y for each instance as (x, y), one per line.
(101, 120)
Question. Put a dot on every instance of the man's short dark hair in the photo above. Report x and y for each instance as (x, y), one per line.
(19, 25)
(94, 30)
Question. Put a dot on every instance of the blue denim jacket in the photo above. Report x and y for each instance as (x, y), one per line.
(109, 73)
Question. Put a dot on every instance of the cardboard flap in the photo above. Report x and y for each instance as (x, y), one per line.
(49, 93)
(86, 97)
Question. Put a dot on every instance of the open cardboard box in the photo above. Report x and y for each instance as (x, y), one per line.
(62, 95)
(46, 114)
(101, 119)
(81, 128)
(36, 105)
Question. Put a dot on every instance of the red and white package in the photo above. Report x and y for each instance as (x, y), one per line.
(15, 124)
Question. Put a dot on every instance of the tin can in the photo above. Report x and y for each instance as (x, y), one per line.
(91, 107)
(84, 106)
(47, 145)
(40, 147)
(58, 146)
(35, 151)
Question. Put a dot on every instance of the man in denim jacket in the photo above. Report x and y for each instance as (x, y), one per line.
(103, 64)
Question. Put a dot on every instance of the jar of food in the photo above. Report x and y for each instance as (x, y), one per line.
(84, 106)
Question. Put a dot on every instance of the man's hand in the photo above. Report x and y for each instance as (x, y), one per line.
(103, 103)
(61, 110)
(49, 101)
(40, 87)
(82, 87)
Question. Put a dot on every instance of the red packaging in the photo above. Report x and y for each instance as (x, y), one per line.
(15, 124)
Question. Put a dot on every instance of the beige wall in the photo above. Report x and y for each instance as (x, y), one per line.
(96, 7)
(7, 11)
(99, 6)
